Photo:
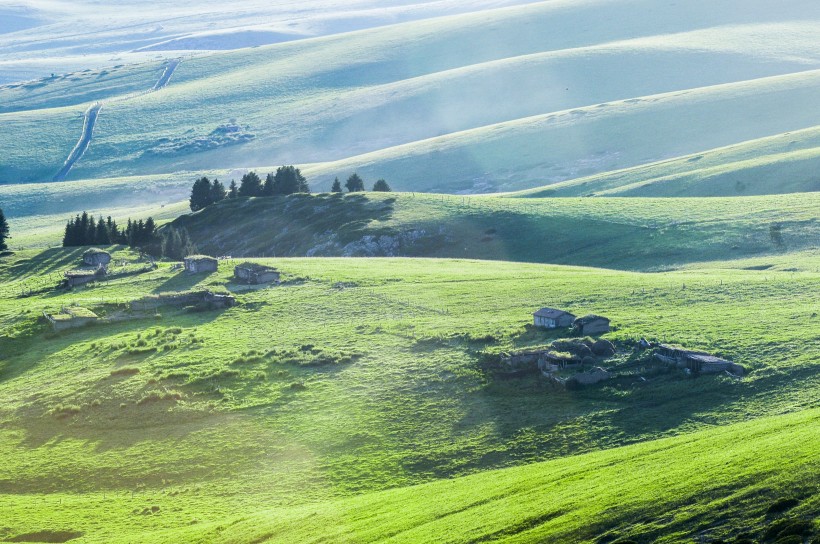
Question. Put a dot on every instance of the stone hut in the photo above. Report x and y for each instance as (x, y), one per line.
(96, 257)
(593, 376)
(550, 318)
(696, 361)
(255, 274)
(71, 318)
(73, 278)
(591, 325)
(198, 264)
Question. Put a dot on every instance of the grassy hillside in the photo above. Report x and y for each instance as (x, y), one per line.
(784, 163)
(612, 232)
(652, 492)
(359, 375)
(581, 102)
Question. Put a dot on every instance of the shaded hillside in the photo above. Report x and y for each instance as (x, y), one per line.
(615, 233)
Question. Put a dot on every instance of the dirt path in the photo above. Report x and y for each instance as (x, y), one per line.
(85, 139)
(93, 112)
(166, 75)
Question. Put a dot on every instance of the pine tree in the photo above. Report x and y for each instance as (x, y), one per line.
(269, 187)
(69, 231)
(82, 230)
(200, 194)
(4, 232)
(381, 186)
(354, 183)
(101, 238)
(91, 232)
(218, 192)
(233, 192)
(250, 185)
(337, 187)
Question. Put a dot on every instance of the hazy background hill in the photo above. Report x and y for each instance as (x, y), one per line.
(493, 100)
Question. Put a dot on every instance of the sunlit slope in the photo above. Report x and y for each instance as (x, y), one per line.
(585, 140)
(80, 87)
(610, 232)
(337, 97)
(785, 163)
(360, 375)
(663, 491)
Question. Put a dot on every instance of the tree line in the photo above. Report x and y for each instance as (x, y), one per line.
(84, 230)
(287, 180)
(355, 184)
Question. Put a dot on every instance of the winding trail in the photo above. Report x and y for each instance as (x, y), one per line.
(93, 112)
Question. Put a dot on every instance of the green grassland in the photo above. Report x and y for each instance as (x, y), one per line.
(779, 164)
(611, 97)
(361, 375)
(623, 233)
(606, 495)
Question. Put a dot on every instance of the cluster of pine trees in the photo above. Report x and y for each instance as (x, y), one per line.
(84, 230)
(355, 184)
(4, 232)
(286, 181)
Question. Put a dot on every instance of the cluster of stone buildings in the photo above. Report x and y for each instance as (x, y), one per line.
(588, 325)
(249, 273)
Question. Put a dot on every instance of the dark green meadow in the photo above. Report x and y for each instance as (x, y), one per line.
(361, 375)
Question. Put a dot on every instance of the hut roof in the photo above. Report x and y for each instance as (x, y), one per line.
(79, 273)
(201, 258)
(95, 251)
(589, 319)
(550, 313)
(79, 311)
(256, 267)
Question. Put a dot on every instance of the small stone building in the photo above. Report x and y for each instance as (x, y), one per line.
(590, 325)
(198, 264)
(591, 377)
(71, 318)
(73, 278)
(696, 361)
(550, 318)
(96, 257)
(255, 274)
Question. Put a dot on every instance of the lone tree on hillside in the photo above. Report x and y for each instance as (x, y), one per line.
(250, 185)
(337, 187)
(354, 183)
(200, 194)
(233, 192)
(381, 186)
(4, 232)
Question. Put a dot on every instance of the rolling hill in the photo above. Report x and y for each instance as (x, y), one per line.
(364, 375)
(623, 233)
(652, 162)
(495, 100)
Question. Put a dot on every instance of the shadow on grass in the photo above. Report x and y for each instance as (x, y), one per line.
(182, 281)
